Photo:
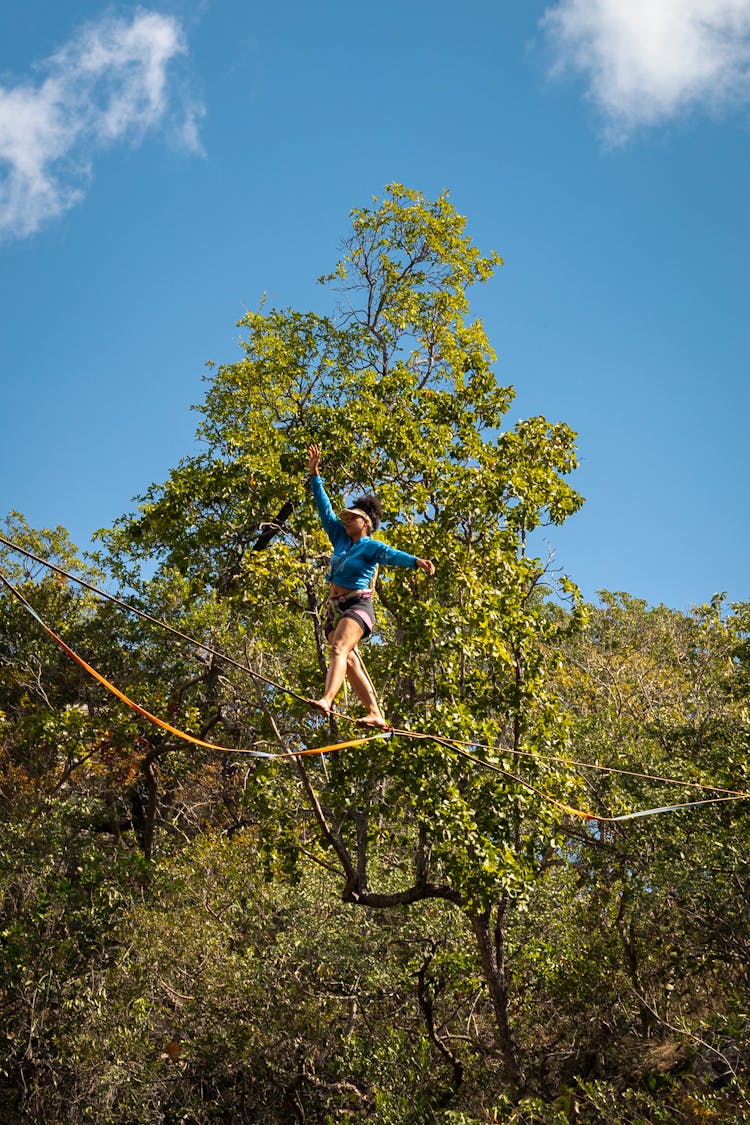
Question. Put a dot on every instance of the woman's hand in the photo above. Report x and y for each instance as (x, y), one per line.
(427, 565)
(313, 465)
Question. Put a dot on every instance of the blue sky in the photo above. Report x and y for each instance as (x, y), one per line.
(164, 166)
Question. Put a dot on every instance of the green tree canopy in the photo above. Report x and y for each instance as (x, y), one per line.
(170, 943)
(397, 385)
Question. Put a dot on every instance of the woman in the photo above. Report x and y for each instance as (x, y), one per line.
(350, 616)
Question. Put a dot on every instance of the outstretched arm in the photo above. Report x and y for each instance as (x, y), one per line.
(390, 556)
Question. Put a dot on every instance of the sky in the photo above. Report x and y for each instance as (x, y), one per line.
(164, 166)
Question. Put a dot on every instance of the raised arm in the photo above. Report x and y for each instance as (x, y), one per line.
(313, 465)
(332, 526)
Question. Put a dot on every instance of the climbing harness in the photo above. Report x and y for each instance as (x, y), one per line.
(345, 605)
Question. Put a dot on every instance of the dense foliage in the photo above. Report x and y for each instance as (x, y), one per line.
(399, 932)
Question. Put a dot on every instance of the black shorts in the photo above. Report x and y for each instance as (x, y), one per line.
(357, 607)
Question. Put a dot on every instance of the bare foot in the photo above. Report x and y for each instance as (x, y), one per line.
(322, 705)
(376, 720)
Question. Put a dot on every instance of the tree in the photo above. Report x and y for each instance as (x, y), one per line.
(140, 876)
(397, 386)
(636, 949)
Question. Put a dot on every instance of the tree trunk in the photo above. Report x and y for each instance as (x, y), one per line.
(491, 948)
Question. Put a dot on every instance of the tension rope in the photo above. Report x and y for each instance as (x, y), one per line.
(459, 746)
(584, 814)
(156, 621)
(307, 751)
(576, 763)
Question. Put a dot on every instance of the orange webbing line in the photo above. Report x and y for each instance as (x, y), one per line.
(203, 645)
(154, 620)
(161, 722)
(454, 744)
(584, 814)
(729, 795)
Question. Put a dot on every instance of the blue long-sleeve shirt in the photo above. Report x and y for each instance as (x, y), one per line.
(353, 562)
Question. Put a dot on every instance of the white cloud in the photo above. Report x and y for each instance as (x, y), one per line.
(649, 60)
(110, 83)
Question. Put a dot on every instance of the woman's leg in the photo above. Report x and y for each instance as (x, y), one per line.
(363, 689)
(343, 640)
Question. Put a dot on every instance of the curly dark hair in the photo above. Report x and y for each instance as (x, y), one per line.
(370, 505)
